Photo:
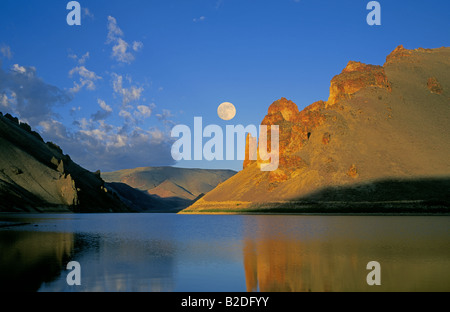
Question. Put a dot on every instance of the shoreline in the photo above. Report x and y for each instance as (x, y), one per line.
(321, 208)
(343, 214)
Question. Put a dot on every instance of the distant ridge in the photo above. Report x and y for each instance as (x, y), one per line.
(174, 188)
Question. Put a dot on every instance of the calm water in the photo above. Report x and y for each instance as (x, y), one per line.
(167, 252)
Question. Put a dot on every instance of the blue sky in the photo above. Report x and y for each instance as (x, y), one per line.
(109, 91)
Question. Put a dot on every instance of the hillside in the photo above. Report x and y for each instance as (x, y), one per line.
(37, 177)
(170, 187)
(380, 143)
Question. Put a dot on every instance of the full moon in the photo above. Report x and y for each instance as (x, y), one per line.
(226, 111)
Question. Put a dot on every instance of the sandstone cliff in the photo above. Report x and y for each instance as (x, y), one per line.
(382, 139)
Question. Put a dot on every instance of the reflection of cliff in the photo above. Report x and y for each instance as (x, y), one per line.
(286, 266)
(293, 266)
(123, 265)
(28, 259)
(298, 260)
(36, 261)
(111, 263)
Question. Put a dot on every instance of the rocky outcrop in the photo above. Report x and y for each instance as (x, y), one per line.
(68, 191)
(434, 86)
(295, 129)
(399, 54)
(355, 77)
(352, 172)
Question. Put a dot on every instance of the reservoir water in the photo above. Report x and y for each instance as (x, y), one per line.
(169, 252)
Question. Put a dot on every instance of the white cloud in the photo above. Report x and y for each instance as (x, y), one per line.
(164, 117)
(78, 86)
(6, 52)
(4, 100)
(19, 69)
(125, 114)
(99, 145)
(128, 95)
(96, 134)
(83, 123)
(94, 143)
(55, 127)
(75, 109)
(135, 116)
(87, 13)
(81, 60)
(30, 97)
(137, 46)
(200, 19)
(119, 52)
(114, 31)
(166, 114)
(87, 78)
(157, 136)
(8, 99)
(143, 111)
(104, 112)
(84, 73)
(103, 106)
(121, 48)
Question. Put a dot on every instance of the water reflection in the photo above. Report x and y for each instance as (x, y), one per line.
(28, 259)
(332, 255)
(225, 253)
(35, 261)
(113, 264)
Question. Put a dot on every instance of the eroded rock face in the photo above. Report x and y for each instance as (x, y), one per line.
(399, 53)
(68, 190)
(58, 164)
(355, 77)
(282, 109)
(352, 171)
(247, 161)
(434, 86)
(295, 130)
(326, 138)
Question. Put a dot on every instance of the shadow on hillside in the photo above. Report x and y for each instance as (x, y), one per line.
(427, 195)
(141, 201)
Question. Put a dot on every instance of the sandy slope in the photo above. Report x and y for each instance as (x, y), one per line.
(400, 132)
(167, 182)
